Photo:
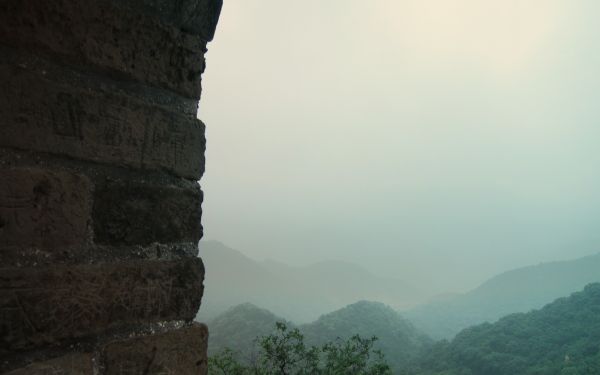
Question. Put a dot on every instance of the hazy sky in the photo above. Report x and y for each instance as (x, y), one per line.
(438, 141)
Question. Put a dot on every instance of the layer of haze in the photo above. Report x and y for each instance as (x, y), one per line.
(440, 142)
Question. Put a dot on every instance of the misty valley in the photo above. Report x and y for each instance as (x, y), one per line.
(541, 319)
(422, 172)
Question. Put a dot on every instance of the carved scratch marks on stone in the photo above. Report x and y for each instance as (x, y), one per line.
(42, 208)
(41, 306)
(178, 352)
(146, 214)
(67, 116)
(96, 125)
(88, 32)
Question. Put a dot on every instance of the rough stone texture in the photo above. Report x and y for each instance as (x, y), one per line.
(139, 214)
(100, 153)
(43, 209)
(178, 352)
(100, 178)
(47, 113)
(101, 34)
(41, 306)
(194, 16)
(79, 363)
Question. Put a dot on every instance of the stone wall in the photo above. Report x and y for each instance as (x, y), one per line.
(100, 153)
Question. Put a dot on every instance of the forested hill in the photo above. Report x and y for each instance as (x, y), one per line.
(397, 338)
(563, 338)
(519, 290)
(238, 327)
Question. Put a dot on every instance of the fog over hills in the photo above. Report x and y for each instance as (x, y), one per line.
(299, 294)
(519, 290)
(302, 294)
(560, 338)
(443, 153)
(441, 142)
(406, 336)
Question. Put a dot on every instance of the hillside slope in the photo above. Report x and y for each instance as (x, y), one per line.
(563, 338)
(397, 338)
(238, 327)
(520, 290)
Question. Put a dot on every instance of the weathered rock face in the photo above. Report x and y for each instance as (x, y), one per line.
(100, 151)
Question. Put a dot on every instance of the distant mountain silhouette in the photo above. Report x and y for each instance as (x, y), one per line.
(299, 294)
(519, 290)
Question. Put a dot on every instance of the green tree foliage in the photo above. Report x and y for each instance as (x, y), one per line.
(285, 353)
(563, 338)
(397, 339)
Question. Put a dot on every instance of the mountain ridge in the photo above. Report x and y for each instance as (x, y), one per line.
(299, 294)
(518, 290)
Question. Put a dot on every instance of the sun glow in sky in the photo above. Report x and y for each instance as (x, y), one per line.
(436, 141)
(500, 37)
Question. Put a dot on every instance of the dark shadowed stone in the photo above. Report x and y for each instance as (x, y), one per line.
(127, 213)
(92, 123)
(194, 16)
(43, 209)
(43, 306)
(78, 363)
(100, 151)
(178, 352)
(98, 33)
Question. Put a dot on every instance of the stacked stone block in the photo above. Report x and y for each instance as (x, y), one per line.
(100, 154)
